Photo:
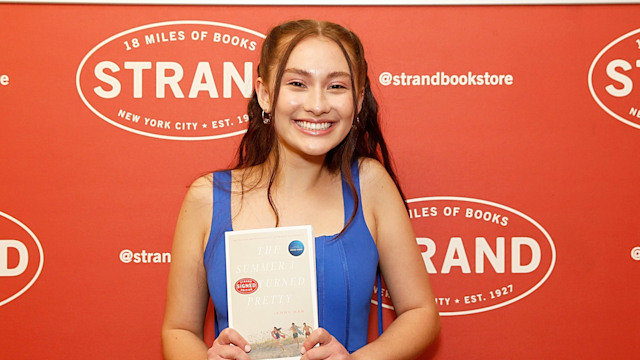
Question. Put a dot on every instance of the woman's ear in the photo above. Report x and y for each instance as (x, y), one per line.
(360, 100)
(262, 91)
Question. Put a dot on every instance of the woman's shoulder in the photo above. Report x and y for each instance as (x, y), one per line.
(200, 190)
(376, 189)
(372, 173)
(377, 186)
(195, 216)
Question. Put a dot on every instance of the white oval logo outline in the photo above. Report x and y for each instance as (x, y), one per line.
(40, 266)
(590, 79)
(514, 211)
(165, 23)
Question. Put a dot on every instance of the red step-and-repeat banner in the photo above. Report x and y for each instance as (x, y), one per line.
(515, 130)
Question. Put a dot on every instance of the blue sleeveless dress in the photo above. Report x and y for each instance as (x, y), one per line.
(345, 267)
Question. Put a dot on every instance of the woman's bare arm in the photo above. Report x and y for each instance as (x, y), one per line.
(417, 323)
(187, 292)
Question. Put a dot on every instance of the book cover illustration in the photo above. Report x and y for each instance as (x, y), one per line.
(271, 289)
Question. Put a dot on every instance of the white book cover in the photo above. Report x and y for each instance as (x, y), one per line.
(271, 289)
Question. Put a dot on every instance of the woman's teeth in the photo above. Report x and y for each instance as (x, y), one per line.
(313, 125)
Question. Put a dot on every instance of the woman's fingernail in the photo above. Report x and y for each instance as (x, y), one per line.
(247, 348)
(303, 350)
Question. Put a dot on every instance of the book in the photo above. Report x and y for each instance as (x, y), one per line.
(271, 289)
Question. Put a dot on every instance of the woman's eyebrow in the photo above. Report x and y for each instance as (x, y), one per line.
(333, 74)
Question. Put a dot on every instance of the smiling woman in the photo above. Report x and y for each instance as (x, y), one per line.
(316, 109)
(313, 154)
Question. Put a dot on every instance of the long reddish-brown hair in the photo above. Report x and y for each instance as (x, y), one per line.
(365, 138)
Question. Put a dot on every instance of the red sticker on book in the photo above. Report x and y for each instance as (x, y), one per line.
(246, 286)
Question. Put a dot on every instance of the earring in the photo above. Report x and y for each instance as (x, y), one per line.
(266, 119)
(356, 123)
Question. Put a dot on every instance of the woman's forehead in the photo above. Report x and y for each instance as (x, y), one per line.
(317, 53)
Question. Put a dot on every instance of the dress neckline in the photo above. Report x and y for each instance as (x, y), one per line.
(345, 188)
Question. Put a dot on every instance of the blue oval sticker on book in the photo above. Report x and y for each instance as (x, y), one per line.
(296, 247)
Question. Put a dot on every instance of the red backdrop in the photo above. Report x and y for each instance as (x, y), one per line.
(514, 130)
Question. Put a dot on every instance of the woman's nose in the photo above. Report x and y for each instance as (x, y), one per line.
(316, 101)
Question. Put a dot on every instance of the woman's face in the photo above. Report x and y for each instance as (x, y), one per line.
(314, 112)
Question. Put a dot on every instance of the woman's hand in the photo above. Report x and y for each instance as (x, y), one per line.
(229, 345)
(329, 347)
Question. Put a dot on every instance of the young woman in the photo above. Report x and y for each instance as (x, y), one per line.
(313, 154)
(276, 334)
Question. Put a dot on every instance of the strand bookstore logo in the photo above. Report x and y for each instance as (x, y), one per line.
(614, 78)
(480, 255)
(177, 80)
(21, 258)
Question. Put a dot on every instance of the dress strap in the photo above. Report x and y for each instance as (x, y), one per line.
(220, 221)
(349, 202)
(221, 200)
(348, 199)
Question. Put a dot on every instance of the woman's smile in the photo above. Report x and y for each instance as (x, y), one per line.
(314, 126)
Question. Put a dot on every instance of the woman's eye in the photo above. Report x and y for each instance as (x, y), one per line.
(296, 83)
(337, 86)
